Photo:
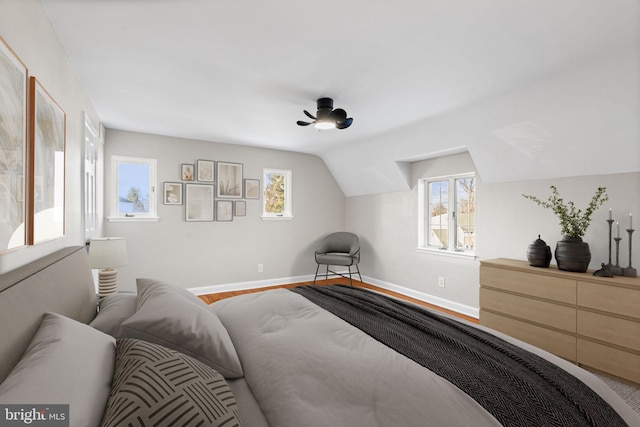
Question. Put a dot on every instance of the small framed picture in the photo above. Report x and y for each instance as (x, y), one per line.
(229, 176)
(240, 208)
(199, 202)
(224, 210)
(172, 194)
(205, 170)
(186, 172)
(251, 188)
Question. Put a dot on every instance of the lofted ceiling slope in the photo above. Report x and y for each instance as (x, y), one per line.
(532, 89)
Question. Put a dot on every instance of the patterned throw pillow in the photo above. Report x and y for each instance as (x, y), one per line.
(154, 385)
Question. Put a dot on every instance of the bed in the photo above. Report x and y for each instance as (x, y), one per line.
(321, 356)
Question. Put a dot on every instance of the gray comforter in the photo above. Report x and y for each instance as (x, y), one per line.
(307, 367)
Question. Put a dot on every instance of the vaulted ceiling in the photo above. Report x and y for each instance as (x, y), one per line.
(507, 80)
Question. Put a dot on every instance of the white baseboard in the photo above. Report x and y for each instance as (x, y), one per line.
(242, 286)
(431, 299)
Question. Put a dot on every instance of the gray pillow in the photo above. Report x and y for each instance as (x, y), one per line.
(165, 317)
(114, 309)
(188, 394)
(148, 287)
(67, 362)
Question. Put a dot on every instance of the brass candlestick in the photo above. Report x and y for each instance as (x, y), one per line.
(630, 271)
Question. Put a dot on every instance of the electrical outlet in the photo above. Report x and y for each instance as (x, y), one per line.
(260, 268)
(441, 281)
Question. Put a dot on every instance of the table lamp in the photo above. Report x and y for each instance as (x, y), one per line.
(106, 253)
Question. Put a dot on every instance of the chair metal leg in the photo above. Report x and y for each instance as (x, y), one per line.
(316, 276)
(350, 277)
(359, 275)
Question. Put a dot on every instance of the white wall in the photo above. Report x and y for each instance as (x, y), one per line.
(191, 254)
(506, 224)
(26, 28)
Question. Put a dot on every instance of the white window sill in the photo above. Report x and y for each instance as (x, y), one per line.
(133, 218)
(277, 218)
(447, 253)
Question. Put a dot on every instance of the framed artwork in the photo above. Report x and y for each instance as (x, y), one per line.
(205, 170)
(229, 176)
(172, 194)
(251, 188)
(198, 202)
(224, 210)
(14, 87)
(240, 208)
(187, 172)
(47, 133)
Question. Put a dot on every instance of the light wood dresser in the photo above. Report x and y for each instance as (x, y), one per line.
(589, 320)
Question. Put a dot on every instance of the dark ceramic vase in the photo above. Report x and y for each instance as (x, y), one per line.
(572, 254)
(539, 253)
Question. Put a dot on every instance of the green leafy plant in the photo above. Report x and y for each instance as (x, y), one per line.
(574, 222)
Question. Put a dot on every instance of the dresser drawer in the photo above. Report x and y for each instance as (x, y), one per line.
(558, 343)
(542, 286)
(613, 299)
(617, 362)
(622, 332)
(545, 313)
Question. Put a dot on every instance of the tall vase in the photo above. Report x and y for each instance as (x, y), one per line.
(572, 254)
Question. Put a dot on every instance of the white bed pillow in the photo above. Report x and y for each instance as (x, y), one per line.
(166, 317)
(67, 362)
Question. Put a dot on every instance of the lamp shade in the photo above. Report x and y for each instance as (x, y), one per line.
(108, 252)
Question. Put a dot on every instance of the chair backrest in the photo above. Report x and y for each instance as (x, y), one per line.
(341, 242)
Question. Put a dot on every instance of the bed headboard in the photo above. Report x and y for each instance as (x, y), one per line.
(61, 282)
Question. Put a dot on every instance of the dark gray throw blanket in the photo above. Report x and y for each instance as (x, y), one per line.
(517, 387)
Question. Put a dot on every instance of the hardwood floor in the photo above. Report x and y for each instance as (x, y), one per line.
(211, 298)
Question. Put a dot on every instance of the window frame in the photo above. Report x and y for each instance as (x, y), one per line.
(152, 215)
(424, 222)
(288, 202)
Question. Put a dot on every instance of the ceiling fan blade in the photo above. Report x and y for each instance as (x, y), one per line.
(344, 124)
(338, 115)
(301, 123)
(309, 115)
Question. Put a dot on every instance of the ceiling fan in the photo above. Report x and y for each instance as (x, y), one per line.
(327, 117)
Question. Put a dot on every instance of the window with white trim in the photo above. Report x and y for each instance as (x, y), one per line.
(133, 189)
(277, 194)
(447, 214)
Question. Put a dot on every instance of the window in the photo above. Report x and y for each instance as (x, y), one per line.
(133, 189)
(277, 194)
(447, 214)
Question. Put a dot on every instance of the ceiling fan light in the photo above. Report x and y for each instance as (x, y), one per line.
(324, 124)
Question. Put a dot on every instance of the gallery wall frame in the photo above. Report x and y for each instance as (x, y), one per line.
(229, 180)
(240, 208)
(224, 210)
(252, 189)
(199, 202)
(14, 89)
(47, 143)
(172, 193)
(187, 172)
(205, 170)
